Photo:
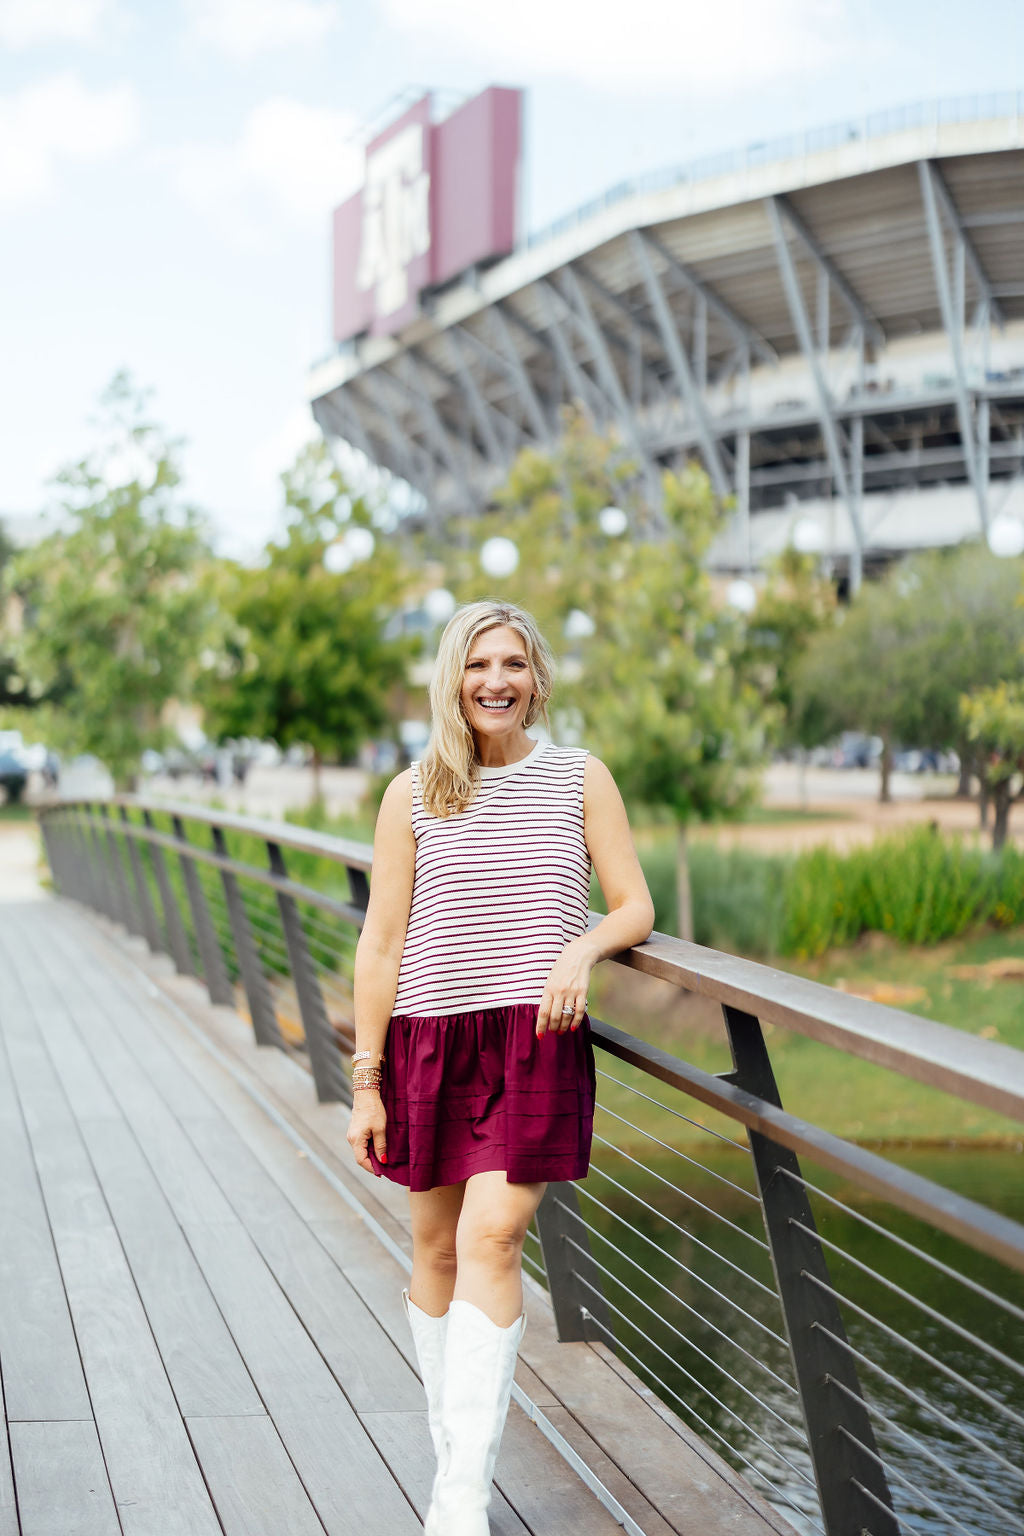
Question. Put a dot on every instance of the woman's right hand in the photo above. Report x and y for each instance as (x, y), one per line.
(368, 1122)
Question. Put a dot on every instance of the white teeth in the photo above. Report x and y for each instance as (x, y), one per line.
(495, 704)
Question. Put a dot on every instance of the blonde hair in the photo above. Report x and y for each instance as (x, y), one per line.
(448, 775)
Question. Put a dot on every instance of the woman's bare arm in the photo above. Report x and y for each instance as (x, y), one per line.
(613, 854)
(379, 953)
(630, 909)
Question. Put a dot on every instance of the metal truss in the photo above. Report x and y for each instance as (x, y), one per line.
(616, 404)
(829, 276)
(681, 367)
(480, 409)
(402, 444)
(848, 483)
(648, 389)
(974, 427)
(747, 339)
(412, 384)
(506, 348)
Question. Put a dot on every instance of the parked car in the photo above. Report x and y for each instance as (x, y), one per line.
(13, 774)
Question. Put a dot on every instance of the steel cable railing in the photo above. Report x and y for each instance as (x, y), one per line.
(848, 1338)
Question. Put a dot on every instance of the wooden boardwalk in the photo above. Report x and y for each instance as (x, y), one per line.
(201, 1328)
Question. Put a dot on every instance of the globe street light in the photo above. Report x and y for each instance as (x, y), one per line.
(439, 605)
(807, 536)
(741, 595)
(355, 545)
(612, 521)
(578, 625)
(499, 557)
(1006, 536)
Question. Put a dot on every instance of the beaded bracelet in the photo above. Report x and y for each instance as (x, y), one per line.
(366, 1077)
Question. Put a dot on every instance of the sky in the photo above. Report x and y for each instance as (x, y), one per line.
(168, 170)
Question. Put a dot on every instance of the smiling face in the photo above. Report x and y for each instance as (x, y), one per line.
(497, 685)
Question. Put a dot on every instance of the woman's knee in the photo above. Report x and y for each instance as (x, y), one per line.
(490, 1238)
(437, 1249)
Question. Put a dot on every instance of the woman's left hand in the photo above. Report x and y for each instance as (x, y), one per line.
(565, 992)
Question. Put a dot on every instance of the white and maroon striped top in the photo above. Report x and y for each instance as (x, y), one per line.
(499, 888)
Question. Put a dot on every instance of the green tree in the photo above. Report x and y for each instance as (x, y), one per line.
(933, 628)
(862, 675)
(993, 720)
(652, 675)
(971, 634)
(304, 657)
(114, 613)
(794, 607)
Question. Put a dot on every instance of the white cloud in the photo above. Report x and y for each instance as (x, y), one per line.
(288, 158)
(244, 28)
(662, 45)
(56, 120)
(25, 22)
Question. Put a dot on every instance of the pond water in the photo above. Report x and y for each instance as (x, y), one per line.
(690, 1297)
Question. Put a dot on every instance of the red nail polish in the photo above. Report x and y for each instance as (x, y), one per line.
(383, 1158)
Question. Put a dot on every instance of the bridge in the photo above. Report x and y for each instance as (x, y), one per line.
(200, 1317)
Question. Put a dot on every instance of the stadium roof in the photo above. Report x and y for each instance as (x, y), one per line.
(749, 309)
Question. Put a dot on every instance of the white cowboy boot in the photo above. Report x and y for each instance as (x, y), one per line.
(479, 1363)
(428, 1337)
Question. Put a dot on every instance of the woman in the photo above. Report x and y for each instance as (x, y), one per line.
(474, 1073)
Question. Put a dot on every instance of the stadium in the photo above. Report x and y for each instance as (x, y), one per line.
(833, 324)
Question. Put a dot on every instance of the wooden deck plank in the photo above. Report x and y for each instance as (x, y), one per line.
(680, 1469)
(201, 1358)
(62, 1480)
(362, 1356)
(255, 1488)
(204, 1367)
(8, 1507)
(403, 1440)
(639, 1449)
(343, 1473)
(43, 1376)
(156, 1481)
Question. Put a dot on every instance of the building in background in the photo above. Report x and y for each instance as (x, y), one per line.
(832, 323)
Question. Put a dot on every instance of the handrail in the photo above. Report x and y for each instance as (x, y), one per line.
(273, 944)
(937, 1055)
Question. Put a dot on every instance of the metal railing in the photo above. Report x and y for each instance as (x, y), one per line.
(849, 1338)
(977, 108)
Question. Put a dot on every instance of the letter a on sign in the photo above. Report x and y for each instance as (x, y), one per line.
(396, 218)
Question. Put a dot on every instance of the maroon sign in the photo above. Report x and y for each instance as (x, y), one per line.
(437, 198)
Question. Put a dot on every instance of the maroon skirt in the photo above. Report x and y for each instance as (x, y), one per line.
(477, 1092)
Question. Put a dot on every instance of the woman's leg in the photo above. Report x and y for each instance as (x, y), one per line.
(435, 1218)
(489, 1244)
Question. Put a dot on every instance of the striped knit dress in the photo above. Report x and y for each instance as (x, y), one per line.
(499, 890)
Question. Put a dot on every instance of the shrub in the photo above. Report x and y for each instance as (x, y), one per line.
(919, 887)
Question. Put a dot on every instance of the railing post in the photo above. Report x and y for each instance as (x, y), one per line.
(123, 912)
(332, 1085)
(261, 1004)
(358, 886)
(147, 913)
(215, 972)
(567, 1263)
(177, 938)
(50, 831)
(835, 1419)
(60, 826)
(104, 898)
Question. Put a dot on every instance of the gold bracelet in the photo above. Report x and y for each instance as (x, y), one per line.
(359, 1056)
(366, 1077)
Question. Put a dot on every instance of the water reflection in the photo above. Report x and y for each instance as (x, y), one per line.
(691, 1299)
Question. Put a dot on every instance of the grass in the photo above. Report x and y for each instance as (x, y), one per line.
(15, 813)
(853, 1098)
